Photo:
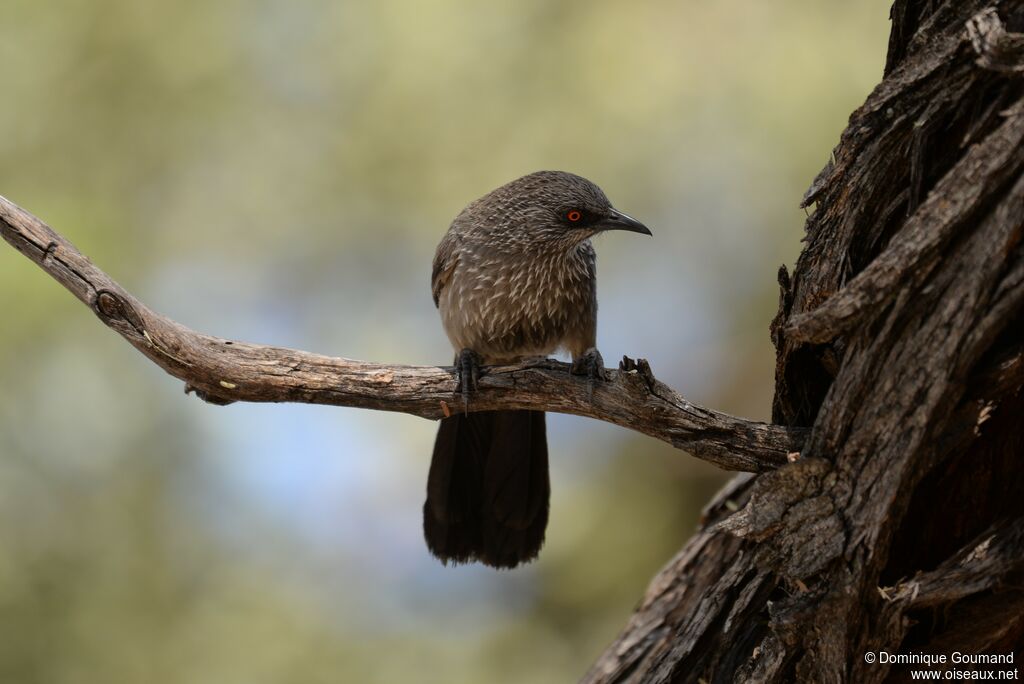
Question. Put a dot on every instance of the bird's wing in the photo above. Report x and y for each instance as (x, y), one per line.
(445, 261)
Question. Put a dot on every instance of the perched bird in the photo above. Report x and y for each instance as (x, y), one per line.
(514, 277)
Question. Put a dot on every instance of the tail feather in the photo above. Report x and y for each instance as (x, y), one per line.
(450, 519)
(488, 489)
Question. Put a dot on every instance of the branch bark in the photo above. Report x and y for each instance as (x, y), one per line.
(223, 371)
(982, 565)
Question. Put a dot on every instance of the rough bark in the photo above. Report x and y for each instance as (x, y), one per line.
(899, 339)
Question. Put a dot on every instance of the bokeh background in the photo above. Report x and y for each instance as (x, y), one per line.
(280, 172)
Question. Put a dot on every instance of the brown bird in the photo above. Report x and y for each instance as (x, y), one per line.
(514, 277)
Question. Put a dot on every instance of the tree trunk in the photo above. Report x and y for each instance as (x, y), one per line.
(900, 342)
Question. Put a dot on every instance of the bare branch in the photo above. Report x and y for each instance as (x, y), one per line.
(222, 371)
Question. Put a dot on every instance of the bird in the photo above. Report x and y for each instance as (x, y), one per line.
(513, 278)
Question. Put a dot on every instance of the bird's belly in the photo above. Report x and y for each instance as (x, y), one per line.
(504, 324)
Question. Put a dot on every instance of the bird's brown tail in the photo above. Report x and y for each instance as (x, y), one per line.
(488, 488)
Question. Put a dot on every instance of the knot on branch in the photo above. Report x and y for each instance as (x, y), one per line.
(112, 308)
(998, 49)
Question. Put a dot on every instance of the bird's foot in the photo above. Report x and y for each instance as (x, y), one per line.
(467, 365)
(591, 365)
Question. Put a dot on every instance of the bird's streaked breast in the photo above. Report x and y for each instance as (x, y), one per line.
(506, 308)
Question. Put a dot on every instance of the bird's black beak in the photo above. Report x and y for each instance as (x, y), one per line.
(617, 220)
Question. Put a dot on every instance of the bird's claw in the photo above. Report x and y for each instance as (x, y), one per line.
(591, 365)
(468, 368)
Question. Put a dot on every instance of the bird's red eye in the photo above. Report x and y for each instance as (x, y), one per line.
(574, 216)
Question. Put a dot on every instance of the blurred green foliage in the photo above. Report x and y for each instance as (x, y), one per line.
(281, 172)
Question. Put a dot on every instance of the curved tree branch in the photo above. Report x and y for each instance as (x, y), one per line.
(222, 371)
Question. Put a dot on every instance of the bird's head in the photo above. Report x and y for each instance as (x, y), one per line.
(547, 208)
